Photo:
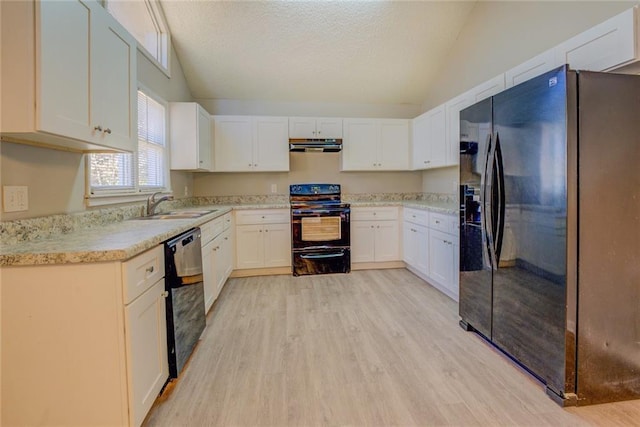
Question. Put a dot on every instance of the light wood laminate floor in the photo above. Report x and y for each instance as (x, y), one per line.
(375, 347)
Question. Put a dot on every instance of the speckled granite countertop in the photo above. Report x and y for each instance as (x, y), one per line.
(121, 240)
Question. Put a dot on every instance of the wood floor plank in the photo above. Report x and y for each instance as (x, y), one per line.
(369, 348)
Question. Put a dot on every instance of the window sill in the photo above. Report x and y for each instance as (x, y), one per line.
(114, 199)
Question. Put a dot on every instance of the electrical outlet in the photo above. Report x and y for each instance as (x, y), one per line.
(15, 198)
(274, 188)
(186, 191)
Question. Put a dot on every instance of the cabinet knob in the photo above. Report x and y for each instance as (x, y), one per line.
(319, 132)
(149, 269)
(98, 128)
(165, 294)
(107, 130)
(437, 222)
(250, 165)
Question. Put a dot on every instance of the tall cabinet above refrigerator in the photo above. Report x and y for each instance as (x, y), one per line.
(549, 262)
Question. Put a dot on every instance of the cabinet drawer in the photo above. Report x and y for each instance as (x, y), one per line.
(440, 222)
(211, 229)
(141, 272)
(226, 221)
(267, 216)
(416, 216)
(372, 214)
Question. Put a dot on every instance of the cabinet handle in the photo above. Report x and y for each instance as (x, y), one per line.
(165, 294)
(319, 132)
(149, 269)
(226, 238)
(437, 222)
(107, 130)
(250, 165)
(98, 128)
(266, 231)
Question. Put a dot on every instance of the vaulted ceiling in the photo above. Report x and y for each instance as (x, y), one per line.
(379, 52)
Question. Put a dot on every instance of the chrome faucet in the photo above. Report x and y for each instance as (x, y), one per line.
(152, 203)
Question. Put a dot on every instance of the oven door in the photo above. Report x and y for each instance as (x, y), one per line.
(320, 227)
(321, 261)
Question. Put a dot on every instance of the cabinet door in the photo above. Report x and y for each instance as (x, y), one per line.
(387, 241)
(604, 47)
(223, 260)
(416, 247)
(146, 348)
(277, 245)
(441, 257)
(453, 108)
(204, 142)
(271, 144)
(113, 82)
(249, 246)
(63, 78)
(363, 241)
(233, 143)
(302, 128)
(360, 144)
(437, 137)
(329, 128)
(488, 88)
(209, 275)
(535, 66)
(420, 150)
(393, 148)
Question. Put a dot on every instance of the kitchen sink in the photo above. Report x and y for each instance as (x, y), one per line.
(184, 214)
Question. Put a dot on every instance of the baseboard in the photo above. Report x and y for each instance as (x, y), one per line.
(271, 271)
(377, 265)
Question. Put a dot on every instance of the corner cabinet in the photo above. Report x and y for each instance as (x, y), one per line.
(428, 139)
(89, 341)
(190, 137)
(251, 144)
(68, 77)
(375, 145)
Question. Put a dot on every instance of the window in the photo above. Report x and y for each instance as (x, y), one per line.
(145, 171)
(145, 21)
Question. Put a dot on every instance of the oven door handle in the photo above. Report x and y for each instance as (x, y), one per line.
(321, 256)
(300, 212)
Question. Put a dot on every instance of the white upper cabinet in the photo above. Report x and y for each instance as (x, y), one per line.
(250, 144)
(535, 66)
(315, 128)
(190, 137)
(375, 144)
(459, 103)
(68, 77)
(428, 139)
(609, 45)
(271, 147)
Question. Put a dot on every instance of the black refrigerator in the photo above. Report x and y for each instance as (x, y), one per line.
(550, 230)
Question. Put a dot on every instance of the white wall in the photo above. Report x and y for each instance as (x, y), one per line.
(501, 35)
(56, 178)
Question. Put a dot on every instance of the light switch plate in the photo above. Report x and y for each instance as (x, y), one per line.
(15, 198)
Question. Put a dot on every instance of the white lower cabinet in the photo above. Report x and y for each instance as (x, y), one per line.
(89, 339)
(431, 248)
(263, 238)
(217, 261)
(146, 334)
(375, 234)
(416, 243)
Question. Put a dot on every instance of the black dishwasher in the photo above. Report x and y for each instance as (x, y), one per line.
(185, 303)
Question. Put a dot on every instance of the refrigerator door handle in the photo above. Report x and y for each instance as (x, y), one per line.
(487, 194)
(498, 204)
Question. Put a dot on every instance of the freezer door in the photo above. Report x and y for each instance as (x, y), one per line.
(530, 225)
(475, 263)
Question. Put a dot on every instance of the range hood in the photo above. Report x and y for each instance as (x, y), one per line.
(315, 145)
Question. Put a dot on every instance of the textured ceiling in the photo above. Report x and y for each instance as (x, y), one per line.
(314, 51)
